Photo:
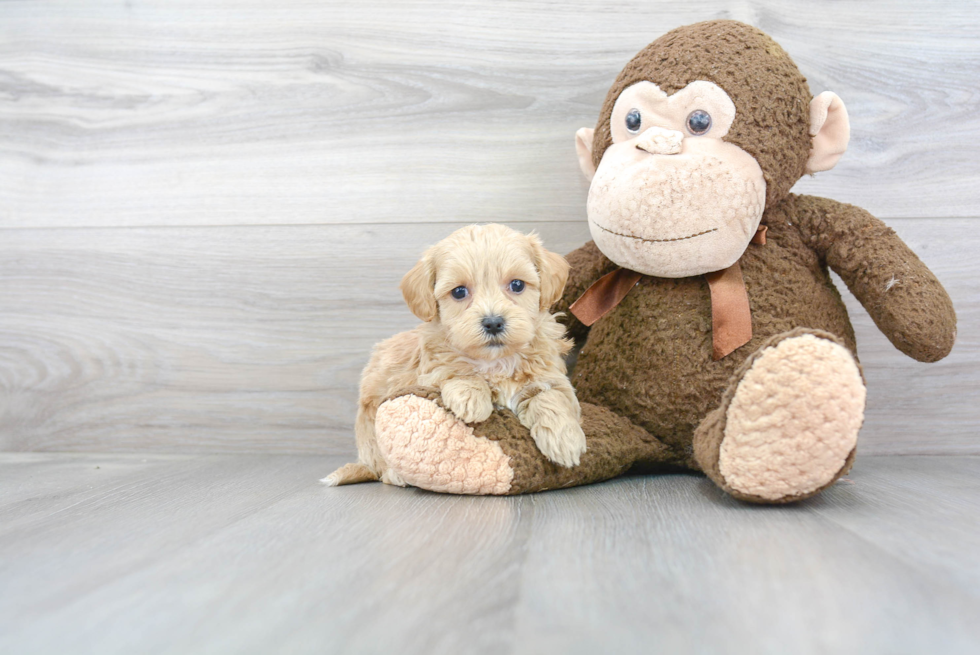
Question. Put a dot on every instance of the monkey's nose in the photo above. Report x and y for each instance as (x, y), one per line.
(493, 325)
(659, 141)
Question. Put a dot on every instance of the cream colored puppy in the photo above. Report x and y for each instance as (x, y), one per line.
(488, 340)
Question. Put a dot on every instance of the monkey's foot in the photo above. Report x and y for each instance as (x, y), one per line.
(428, 447)
(787, 426)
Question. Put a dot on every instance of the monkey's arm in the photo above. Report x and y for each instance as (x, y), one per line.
(587, 266)
(903, 297)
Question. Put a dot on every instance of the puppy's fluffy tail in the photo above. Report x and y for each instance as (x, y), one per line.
(350, 474)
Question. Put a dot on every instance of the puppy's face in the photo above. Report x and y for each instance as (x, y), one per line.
(487, 285)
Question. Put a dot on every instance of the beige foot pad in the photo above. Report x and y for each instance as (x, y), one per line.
(432, 449)
(794, 419)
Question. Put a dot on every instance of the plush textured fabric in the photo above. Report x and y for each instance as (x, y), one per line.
(671, 111)
(831, 132)
(614, 446)
(651, 392)
(695, 215)
(428, 447)
(651, 358)
(793, 420)
(903, 297)
(659, 338)
(710, 434)
(771, 96)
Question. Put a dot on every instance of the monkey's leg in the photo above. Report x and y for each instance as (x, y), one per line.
(430, 448)
(788, 423)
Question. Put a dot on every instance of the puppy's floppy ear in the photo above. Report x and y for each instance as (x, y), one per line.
(552, 269)
(418, 288)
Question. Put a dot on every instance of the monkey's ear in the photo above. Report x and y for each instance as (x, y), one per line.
(583, 146)
(553, 271)
(418, 288)
(830, 129)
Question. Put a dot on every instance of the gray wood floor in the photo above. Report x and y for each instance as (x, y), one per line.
(249, 554)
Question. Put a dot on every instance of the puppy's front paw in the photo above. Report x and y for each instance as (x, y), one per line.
(467, 400)
(562, 442)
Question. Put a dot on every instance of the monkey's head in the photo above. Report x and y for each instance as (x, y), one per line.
(702, 131)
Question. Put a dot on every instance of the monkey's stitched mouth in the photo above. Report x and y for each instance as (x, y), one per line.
(630, 236)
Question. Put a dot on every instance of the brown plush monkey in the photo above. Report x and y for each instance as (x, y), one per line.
(714, 339)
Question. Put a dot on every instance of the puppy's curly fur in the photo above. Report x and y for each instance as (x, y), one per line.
(488, 340)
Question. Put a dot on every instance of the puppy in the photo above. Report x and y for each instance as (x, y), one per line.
(488, 340)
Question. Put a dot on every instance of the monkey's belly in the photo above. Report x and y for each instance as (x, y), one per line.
(650, 359)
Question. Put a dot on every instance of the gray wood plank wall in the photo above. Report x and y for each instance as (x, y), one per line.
(205, 207)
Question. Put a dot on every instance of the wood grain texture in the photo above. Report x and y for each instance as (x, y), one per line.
(249, 554)
(205, 209)
(253, 338)
(207, 339)
(248, 112)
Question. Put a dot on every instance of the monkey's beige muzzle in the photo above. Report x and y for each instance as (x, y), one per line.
(659, 141)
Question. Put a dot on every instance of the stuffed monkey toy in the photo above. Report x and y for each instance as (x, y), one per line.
(712, 337)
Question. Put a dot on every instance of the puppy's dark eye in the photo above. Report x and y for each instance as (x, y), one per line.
(459, 293)
(698, 122)
(517, 286)
(633, 121)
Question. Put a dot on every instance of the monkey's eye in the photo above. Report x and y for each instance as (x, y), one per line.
(459, 293)
(698, 122)
(633, 121)
(517, 286)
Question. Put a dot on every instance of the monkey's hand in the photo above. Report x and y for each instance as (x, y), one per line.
(903, 297)
(469, 398)
(553, 417)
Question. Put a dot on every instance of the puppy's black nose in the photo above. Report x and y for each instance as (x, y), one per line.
(493, 325)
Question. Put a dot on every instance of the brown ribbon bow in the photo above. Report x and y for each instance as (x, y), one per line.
(731, 317)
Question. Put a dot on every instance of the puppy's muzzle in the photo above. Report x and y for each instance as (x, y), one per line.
(493, 325)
